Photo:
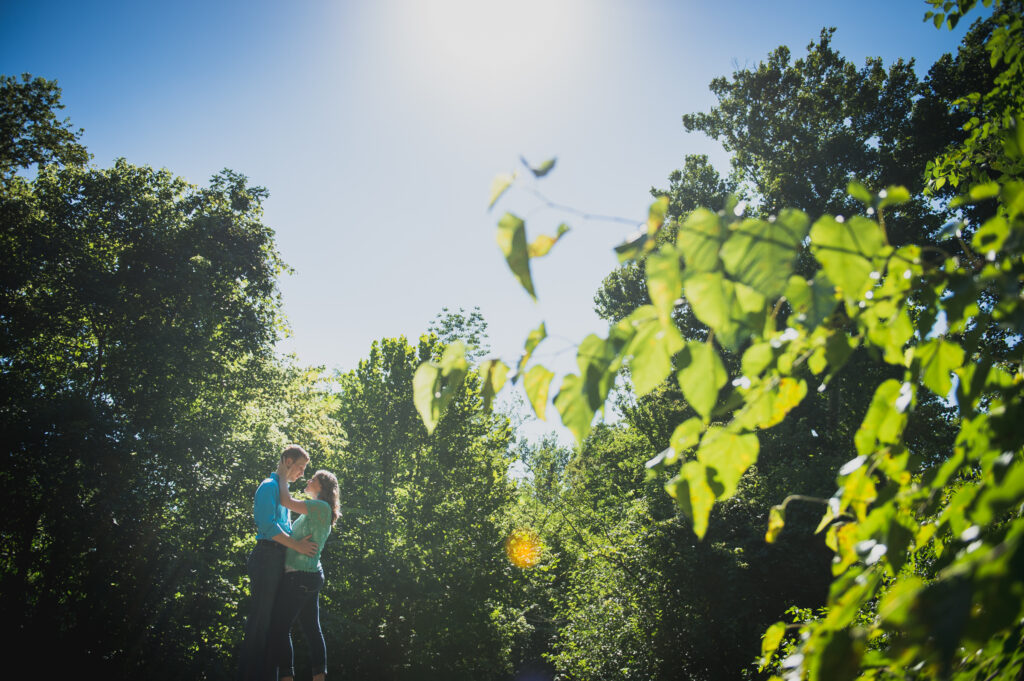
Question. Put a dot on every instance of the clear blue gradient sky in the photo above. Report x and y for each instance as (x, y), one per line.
(378, 126)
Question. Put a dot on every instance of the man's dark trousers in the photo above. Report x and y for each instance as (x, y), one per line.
(265, 567)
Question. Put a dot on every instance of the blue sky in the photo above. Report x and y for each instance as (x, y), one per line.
(378, 126)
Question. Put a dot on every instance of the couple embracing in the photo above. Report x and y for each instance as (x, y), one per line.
(284, 568)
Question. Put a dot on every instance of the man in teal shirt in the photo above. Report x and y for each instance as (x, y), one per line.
(266, 562)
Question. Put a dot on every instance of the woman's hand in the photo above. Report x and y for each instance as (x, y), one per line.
(288, 501)
(303, 546)
(306, 547)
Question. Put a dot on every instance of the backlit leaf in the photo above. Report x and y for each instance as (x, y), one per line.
(512, 240)
(542, 244)
(656, 215)
(435, 383)
(652, 349)
(770, 643)
(499, 185)
(860, 192)
(574, 406)
(686, 436)
(839, 657)
(988, 190)
(812, 301)
(700, 238)
(885, 421)
(664, 281)
(599, 362)
(893, 196)
(536, 383)
(426, 394)
(693, 494)
(767, 406)
(938, 360)
(634, 246)
(776, 521)
(895, 605)
(493, 373)
(732, 310)
(760, 254)
(991, 236)
(757, 358)
(533, 339)
(848, 252)
(701, 377)
(729, 455)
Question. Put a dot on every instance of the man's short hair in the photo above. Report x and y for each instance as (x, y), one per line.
(292, 452)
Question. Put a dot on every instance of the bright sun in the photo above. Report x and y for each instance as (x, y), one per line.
(477, 48)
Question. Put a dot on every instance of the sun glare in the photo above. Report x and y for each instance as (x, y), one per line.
(477, 48)
(523, 548)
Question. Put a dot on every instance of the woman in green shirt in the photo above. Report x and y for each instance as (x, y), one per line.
(298, 595)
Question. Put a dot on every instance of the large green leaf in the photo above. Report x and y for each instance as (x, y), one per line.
(652, 349)
(664, 281)
(701, 377)
(493, 373)
(991, 236)
(850, 252)
(693, 494)
(812, 301)
(598, 362)
(860, 192)
(730, 455)
(757, 358)
(938, 360)
(767, 405)
(889, 328)
(896, 605)
(435, 383)
(426, 394)
(512, 241)
(700, 238)
(760, 254)
(536, 383)
(886, 417)
(453, 361)
(685, 437)
(732, 310)
(770, 643)
(574, 406)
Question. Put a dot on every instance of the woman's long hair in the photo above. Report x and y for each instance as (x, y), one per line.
(329, 492)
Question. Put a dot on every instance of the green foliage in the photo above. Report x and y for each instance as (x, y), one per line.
(30, 133)
(417, 585)
(927, 552)
(141, 400)
(470, 328)
(435, 383)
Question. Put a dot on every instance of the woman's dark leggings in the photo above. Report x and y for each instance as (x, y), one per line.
(298, 598)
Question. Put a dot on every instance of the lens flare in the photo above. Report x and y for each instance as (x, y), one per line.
(523, 548)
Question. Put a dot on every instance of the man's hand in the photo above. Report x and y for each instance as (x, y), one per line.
(306, 547)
